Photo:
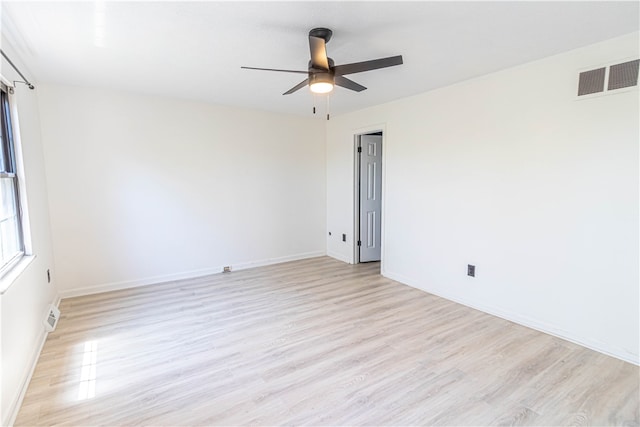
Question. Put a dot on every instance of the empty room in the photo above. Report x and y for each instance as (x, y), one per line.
(320, 213)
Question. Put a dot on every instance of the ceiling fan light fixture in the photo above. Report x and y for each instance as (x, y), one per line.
(321, 87)
(321, 83)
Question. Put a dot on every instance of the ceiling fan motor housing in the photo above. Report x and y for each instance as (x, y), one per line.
(313, 70)
(321, 77)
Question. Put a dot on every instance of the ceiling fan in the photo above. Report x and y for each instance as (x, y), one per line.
(323, 74)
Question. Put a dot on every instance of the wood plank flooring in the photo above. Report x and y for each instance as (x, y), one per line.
(313, 342)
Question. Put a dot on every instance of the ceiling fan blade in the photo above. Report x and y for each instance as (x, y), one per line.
(374, 64)
(349, 84)
(274, 69)
(318, 49)
(299, 86)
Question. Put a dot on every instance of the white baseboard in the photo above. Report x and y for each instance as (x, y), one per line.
(340, 257)
(279, 260)
(115, 286)
(536, 324)
(14, 408)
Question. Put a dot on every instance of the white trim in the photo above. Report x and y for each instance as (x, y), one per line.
(340, 257)
(547, 328)
(14, 407)
(279, 260)
(357, 133)
(6, 82)
(14, 271)
(25, 218)
(152, 280)
(357, 160)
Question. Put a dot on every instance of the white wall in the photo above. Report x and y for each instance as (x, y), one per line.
(146, 189)
(512, 173)
(23, 305)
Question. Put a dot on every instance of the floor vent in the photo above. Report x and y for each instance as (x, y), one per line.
(616, 76)
(53, 314)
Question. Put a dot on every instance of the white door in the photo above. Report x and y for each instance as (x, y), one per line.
(370, 197)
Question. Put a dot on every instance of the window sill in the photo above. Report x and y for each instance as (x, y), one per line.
(12, 275)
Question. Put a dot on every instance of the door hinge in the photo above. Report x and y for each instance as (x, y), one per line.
(359, 149)
(359, 243)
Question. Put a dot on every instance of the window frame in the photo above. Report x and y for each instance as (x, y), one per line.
(9, 168)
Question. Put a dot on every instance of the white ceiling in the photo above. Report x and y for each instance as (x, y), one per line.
(194, 50)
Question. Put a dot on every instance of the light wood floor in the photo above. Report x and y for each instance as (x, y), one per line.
(312, 342)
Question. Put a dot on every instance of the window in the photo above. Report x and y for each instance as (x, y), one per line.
(11, 235)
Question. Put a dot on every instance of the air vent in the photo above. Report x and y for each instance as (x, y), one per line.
(50, 322)
(616, 76)
(623, 75)
(591, 81)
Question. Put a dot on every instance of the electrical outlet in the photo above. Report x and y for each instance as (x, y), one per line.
(344, 237)
(471, 270)
(226, 269)
(48, 276)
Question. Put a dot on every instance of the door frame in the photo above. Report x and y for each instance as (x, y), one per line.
(356, 190)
